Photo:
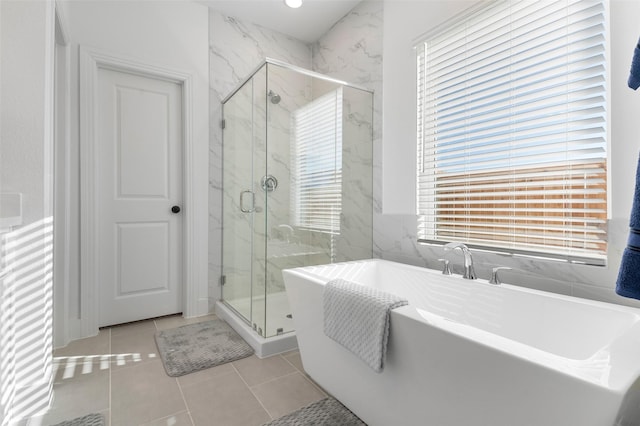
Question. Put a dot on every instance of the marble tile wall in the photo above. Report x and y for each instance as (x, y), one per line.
(352, 51)
(356, 220)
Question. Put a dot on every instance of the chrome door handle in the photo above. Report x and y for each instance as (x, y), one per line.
(253, 201)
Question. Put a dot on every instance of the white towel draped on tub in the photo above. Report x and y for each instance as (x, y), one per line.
(357, 317)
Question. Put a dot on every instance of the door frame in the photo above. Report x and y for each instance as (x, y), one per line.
(62, 240)
(91, 60)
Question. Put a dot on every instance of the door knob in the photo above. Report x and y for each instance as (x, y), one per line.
(175, 209)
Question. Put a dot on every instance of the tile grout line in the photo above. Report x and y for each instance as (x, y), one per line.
(274, 379)
(285, 358)
(225, 373)
(304, 375)
(318, 388)
(167, 417)
(292, 364)
(296, 371)
(186, 405)
(251, 390)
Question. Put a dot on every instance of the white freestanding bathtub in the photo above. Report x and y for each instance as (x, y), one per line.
(468, 353)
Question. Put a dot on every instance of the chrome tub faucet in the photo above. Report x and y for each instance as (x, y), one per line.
(469, 272)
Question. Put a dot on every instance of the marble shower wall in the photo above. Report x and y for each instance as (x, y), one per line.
(356, 220)
(352, 51)
(235, 50)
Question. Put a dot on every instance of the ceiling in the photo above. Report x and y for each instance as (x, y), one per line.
(307, 23)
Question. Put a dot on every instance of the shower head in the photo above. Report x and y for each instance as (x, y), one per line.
(275, 98)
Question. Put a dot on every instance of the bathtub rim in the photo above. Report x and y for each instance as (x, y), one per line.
(627, 368)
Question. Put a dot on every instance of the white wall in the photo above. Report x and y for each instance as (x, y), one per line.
(26, 143)
(406, 21)
(62, 173)
(625, 108)
(168, 34)
(22, 107)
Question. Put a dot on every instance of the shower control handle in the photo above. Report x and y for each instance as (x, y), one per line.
(253, 201)
(269, 183)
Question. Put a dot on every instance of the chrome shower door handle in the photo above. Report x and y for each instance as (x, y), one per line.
(253, 201)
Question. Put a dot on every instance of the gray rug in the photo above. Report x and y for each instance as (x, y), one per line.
(194, 347)
(88, 420)
(327, 412)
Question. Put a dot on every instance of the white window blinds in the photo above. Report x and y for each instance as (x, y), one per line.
(316, 163)
(512, 149)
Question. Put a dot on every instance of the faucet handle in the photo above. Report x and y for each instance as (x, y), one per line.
(494, 274)
(445, 270)
(454, 245)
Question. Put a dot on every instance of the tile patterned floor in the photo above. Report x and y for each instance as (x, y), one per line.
(119, 373)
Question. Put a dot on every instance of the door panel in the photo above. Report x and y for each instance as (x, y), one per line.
(143, 258)
(143, 139)
(139, 171)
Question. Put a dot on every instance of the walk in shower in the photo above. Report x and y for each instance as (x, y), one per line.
(297, 187)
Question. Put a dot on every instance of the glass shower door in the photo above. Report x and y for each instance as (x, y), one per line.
(238, 201)
(244, 202)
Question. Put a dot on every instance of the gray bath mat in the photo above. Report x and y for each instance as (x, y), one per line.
(88, 420)
(194, 347)
(327, 412)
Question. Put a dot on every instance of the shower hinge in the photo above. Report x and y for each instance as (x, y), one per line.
(223, 279)
(223, 123)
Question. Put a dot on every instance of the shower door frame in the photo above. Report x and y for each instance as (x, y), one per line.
(248, 320)
(295, 68)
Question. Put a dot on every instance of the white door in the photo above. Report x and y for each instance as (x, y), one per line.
(139, 172)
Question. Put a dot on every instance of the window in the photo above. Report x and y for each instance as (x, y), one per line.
(316, 163)
(512, 139)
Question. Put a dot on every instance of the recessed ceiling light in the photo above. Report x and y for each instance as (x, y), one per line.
(294, 4)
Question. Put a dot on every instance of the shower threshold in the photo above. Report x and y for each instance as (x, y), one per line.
(263, 347)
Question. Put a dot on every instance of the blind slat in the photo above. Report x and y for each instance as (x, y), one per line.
(512, 139)
(316, 163)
